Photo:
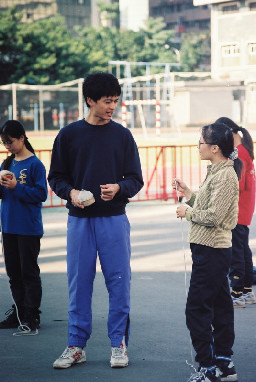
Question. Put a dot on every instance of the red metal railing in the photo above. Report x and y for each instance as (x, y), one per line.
(160, 164)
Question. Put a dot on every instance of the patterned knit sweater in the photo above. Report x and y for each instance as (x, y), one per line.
(213, 212)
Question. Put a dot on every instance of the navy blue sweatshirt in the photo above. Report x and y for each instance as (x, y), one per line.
(21, 206)
(85, 156)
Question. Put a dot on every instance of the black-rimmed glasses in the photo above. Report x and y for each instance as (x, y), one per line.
(7, 143)
(204, 143)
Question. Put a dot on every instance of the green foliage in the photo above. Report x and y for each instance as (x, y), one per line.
(44, 52)
(111, 11)
(10, 42)
(157, 46)
(195, 52)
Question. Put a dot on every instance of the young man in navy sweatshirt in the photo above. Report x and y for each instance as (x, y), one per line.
(98, 155)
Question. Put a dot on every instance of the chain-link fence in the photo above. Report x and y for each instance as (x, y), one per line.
(183, 99)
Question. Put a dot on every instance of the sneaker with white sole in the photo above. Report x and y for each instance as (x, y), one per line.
(226, 369)
(249, 298)
(205, 375)
(11, 320)
(71, 356)
(31, 319)
(238, 302)
(119, 357)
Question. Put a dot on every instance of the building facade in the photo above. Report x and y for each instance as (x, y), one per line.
(179, 15)
(75, 12)
(233, 36)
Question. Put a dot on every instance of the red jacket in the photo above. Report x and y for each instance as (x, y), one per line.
(246, 188)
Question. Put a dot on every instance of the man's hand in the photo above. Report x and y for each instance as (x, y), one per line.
(108, 191)
(74, 198)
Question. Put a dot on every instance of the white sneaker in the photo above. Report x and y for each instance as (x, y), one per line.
(238, 302)
(69, 357)
(249, 298)
(119, 357)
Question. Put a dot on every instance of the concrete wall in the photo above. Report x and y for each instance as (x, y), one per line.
(197, 104)
(231, 36)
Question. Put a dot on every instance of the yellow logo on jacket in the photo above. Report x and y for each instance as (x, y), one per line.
(22, 177)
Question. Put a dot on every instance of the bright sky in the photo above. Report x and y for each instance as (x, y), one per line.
(133, 13)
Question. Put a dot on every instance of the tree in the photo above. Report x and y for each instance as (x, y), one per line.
(195, 52)
(109, 11)
(10, 43)
(158, 46)
(44, 52)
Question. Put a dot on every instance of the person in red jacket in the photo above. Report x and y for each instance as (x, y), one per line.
(241, 271)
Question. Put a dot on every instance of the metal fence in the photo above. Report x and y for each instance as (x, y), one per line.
(160, 164)
(169, 100)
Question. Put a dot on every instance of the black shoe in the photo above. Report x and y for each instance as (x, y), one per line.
(226, 369)
(11, 321)
(31, 319)
(205, 375)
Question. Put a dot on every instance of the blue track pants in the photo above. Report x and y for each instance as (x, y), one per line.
(110, 238)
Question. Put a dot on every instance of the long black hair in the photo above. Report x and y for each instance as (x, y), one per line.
(221, 135)
(13, 129)
(247, 141)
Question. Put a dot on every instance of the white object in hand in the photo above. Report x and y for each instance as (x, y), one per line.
(86, 198)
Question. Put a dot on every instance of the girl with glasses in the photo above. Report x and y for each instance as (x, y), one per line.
(212, 214)
(22, 195)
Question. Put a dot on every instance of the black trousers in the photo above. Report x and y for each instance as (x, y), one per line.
(241, 270)
(209, 309)
(21, 254)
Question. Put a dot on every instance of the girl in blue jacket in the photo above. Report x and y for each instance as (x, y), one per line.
(22, 193)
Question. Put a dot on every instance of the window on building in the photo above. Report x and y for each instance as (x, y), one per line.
(252, 48)
(191, 23)
(252, 53)
(188, 5)
(252, 6)
(230, 8)
(171, 25)
(204, 24)
(230, 55)
(230, 50)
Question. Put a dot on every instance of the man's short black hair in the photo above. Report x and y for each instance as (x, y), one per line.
(99, 85)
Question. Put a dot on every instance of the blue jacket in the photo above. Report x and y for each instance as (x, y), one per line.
(21, 207)
(86, 156)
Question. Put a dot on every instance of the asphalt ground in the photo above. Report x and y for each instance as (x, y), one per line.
(159, 343)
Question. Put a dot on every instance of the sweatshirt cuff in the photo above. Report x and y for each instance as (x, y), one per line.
(188, 213)
(69, 188)
(190, 202)
(119, 193)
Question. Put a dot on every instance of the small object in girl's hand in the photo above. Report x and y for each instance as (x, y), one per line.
(6, 174)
